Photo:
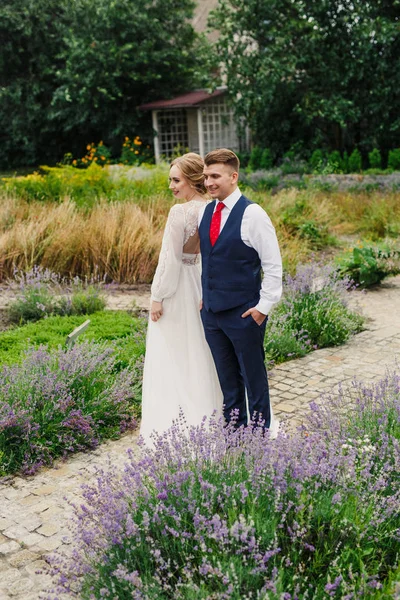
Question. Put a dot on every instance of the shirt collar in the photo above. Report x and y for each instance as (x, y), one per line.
(231, 200)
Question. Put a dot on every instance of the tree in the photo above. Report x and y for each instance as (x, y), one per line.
(31, 40)
(77, 71)
(120, 54)
(319, 72)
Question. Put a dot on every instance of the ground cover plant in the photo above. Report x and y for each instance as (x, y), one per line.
(41, 293)
(230, 514)
(125, 332)
(62, 401)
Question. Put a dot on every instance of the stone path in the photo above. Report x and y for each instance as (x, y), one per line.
(34, 511)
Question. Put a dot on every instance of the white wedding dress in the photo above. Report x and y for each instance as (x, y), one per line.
(179, 372)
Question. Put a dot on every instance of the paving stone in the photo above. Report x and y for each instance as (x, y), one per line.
(9, 547)
(9, 576)
(45, 490)
(17, 532)
(32, 522)
(5, 524)
(48, 529)
(38, 565)
(12, 493)
(32, 539)
(49, 544)
(22, 558)
(42, 506)
(29, 500)
(21, 586)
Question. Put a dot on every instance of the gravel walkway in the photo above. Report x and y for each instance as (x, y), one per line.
(34, 511)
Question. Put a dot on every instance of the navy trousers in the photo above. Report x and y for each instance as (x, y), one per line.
(236, 345)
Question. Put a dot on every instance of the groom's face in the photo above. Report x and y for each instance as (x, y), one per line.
(220, 180)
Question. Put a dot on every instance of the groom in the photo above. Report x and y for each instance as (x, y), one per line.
(241, 280)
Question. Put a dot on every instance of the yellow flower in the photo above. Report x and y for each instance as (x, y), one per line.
(101, 143)
(126, 139)
(136, 151)
(74, 162)
(95, 158)
(88, 147)
(103, 157)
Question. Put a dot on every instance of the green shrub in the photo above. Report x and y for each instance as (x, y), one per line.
(355, 161)
(313, 313)
(316, 160)
(86, 186)
(375, 159)
(41, 293)
(394, 159)
(370, 264)
(255, 158)
(135, 152)
(266, 160)
(345, 162)
(335, 162)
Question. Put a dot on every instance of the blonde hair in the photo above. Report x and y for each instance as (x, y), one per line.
(191, 165)
(223, 155)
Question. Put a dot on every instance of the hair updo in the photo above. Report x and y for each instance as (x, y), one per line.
(191, 165)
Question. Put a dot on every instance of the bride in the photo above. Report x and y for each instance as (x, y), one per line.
(179, 372)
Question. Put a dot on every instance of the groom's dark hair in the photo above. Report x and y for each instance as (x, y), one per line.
(222, 155)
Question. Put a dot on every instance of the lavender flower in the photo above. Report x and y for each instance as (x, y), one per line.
(214, 512)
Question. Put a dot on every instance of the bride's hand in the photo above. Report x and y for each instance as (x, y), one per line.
(156, 310)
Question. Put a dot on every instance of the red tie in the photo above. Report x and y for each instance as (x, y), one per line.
(216, 223)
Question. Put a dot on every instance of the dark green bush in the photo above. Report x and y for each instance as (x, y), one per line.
(394, 159)
(375, 159)
(316, 160)
(355, 161)
(266, 161)
(255, 158)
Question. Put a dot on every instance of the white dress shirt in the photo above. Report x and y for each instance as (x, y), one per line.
(258, 233)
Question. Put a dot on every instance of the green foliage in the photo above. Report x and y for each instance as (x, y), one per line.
(335, 162)
(125, 331)
(316, 160)
(313, 313)
(266, 161)
(86, 186)
(370, 264)
(77, 71)
(394, 159)
(355, 161)
(375, 159)
(255, 158)
(135, 152)
(311, 93)
(40, 294)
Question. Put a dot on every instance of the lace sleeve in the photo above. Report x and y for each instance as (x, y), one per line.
(170, 260)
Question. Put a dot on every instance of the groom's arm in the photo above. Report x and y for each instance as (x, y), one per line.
(259, 233)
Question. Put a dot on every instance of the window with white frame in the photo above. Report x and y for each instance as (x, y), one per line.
(219, 128)
(172, 131)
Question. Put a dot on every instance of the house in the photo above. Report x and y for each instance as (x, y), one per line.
(198, 121)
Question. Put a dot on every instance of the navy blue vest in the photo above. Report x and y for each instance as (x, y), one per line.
(231, 271)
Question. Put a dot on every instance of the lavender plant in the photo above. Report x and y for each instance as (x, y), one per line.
(59, 402)
(313, 313)
(41, 293)
(218, 513)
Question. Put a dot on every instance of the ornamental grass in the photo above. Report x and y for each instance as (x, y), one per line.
(222, 514)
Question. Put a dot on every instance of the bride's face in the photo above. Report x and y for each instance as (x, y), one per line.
(179, 186)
